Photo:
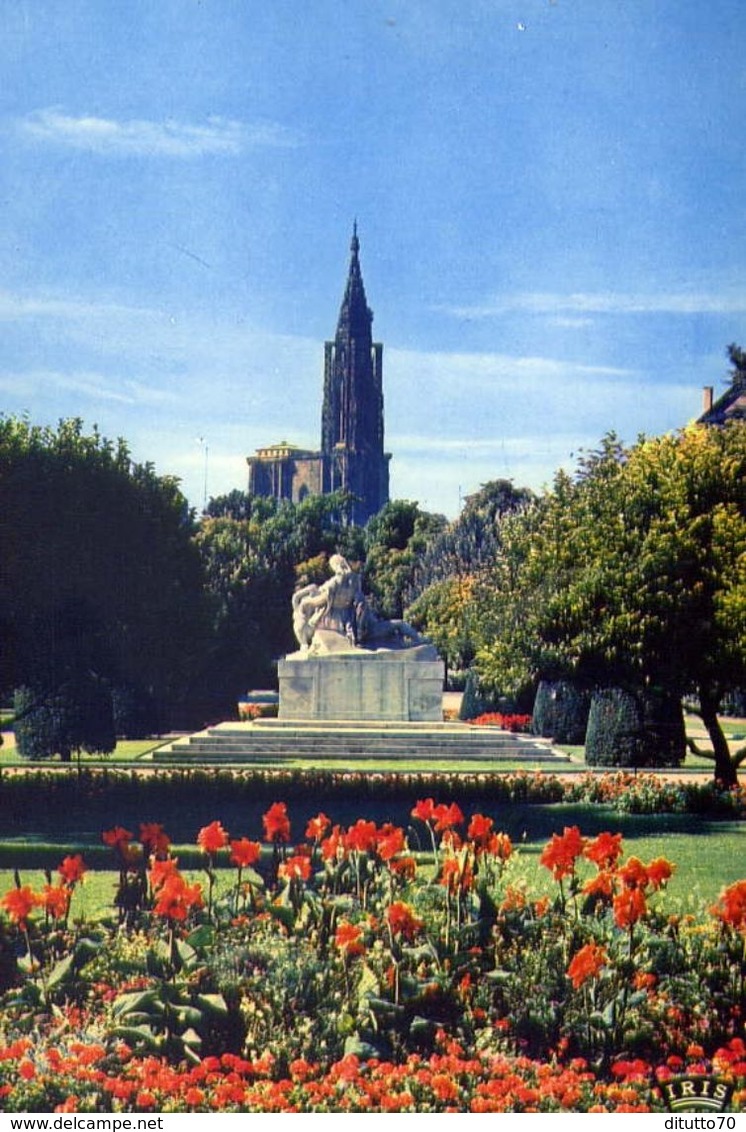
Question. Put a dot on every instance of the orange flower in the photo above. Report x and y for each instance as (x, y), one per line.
(562, 852)
(500, 846)
(161, 871)
(402, 920)
(731, 906)
(276, 823)
(586, 964)
(55, 900)
(629, 907)
(212, 837)
(72, 869)
(245, 852)
(659, 871)
(19, 903)
(633, 874)
(317, 827)
(601, 885)
(604, 850)
(176, 898)
(295, 868)
(348, 938)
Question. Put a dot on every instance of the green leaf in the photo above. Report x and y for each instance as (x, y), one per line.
(61, 971)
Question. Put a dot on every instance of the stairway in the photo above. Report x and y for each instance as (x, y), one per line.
(277, 740)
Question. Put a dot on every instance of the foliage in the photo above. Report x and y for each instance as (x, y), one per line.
(100, 582)
(633, 728)
(439, 599)
(632, 574)
(251, 549)
(343, 971)
(395, 540)
(76, 716)
(561, 712)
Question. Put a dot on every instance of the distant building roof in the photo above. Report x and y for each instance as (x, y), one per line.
(730, 406)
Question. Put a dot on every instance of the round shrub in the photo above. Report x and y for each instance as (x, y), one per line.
(561, 712)
(634, 728)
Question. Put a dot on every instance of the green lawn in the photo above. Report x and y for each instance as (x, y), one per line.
(707, 854)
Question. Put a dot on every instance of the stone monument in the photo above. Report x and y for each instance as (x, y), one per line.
(354, 665)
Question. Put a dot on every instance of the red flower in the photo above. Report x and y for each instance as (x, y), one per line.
(604, 850)
(212, 837)
(161, 871)
(424, 810)
(317, 827)
(154, 838)
(500, 846)
(276, 823)
(601, 885)
(562, 852)
(245, 852)
(629, 907)
(586, 964)
(333, 846)
(55, 900)
(348, 938)
(480, 829)
(117, 837)
(659, 871)
(402, 920)
(362, 836)
(633, 874)
(176, 898)
(72, 869)
(447, 816)
(19, 903)
(295, 868)
(390, 842)
(731, 906)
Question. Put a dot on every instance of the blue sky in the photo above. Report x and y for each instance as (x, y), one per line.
(550, 200)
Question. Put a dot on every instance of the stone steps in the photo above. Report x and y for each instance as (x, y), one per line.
(279, 740)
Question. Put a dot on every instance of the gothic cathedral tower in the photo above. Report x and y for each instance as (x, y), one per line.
(352, 452)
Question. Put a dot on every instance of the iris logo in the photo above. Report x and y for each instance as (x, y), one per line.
(695, 1094)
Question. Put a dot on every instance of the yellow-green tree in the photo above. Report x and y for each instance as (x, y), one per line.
(635, 571)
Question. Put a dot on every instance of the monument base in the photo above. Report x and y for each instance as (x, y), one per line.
(360, 685)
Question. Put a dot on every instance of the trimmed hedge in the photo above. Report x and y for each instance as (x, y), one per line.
(561, 712)
(634, 728)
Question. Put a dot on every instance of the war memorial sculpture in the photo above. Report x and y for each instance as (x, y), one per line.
(352, 664)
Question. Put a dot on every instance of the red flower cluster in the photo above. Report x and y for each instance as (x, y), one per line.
(507, 722)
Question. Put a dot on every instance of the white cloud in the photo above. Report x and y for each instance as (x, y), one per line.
(588, 303)
(143, 138)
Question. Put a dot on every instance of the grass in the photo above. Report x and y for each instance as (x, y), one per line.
(708, 854)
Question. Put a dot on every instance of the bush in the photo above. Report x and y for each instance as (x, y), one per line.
(561, 712)
(634, 728)
(76, 716)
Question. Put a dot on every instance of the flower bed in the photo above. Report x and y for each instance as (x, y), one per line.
(341, 971)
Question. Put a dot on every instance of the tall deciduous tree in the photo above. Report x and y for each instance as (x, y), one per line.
(99, 579)
(636, 572)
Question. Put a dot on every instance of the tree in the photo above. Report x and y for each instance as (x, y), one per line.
(100, 584)
(633, 574)
(395, 539)
(254, 551)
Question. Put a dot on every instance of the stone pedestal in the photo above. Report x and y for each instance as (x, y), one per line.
(383, 685)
